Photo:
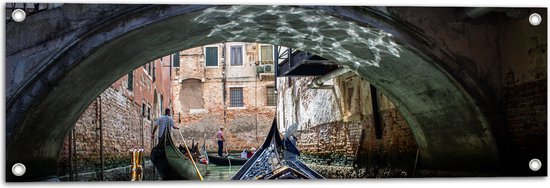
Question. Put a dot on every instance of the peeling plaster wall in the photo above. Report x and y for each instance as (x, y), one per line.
(336, 128)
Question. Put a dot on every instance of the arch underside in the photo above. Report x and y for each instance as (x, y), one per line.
(448, 127)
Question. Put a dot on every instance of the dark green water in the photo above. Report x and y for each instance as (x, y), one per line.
(215, 172)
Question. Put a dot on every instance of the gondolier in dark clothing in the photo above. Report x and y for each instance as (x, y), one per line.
(163, 122)
(220, 139)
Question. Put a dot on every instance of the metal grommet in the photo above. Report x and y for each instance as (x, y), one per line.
(535, 19)
(18, 15)
(18, 169)
(535, 164)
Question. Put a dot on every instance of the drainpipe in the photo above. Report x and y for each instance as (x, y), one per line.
(75, 155)
(100, 121)
(318, 82)
(224, 73)
(142, 144)
(276, 66)
(256, 103)
(153, 144)
(71, 176)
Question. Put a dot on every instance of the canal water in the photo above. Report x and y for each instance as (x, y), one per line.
(215, 172)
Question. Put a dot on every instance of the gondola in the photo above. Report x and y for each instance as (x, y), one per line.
(171, 163)
(276, 159)
(225, 161)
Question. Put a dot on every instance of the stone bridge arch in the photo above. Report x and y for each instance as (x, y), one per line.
(84, 48)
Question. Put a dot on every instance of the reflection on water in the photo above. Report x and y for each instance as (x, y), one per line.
(308, 29)
(220, 172)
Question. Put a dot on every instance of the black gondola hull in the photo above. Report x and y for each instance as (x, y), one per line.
(171, 164)
(275, 161)
(223, 161)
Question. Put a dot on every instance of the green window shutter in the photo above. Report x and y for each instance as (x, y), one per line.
(131, 80)
(176, 58)
(211, 56)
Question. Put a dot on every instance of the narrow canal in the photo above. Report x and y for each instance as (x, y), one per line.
(216, 172)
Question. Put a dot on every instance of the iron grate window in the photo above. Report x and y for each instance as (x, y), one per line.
(236, 97)
(271, 96)
(211, 57)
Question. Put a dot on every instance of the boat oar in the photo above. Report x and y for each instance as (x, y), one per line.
(190, 156)
(227, 155)
(204, 148)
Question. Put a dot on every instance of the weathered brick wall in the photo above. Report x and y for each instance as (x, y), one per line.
(397, 145)
(508, 57)
(123, 129)
(339, 143)
(526, 117)
(342, 142)
(124, 126)
(524, 53)
(241, 130)
(191, 64)
(245, 127)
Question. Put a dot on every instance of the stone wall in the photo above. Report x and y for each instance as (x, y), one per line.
(199, 104)
(526, 116)
(524, 54)
(123, 129)
(337, 134)
(122, 173)
(241, 130)
(515, 72)
(125, 116)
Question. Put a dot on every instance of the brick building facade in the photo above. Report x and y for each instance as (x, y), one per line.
(118, 120)
(241, 71)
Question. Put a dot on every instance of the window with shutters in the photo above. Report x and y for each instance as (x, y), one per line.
(143, 114)
(236, 97)
(266, 54)
(131, 80)
(154, 75)
(211, 56)
(236, 55)
(148, 112)
(176, 59)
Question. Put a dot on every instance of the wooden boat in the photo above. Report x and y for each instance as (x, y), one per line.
(225, 161)
(171, 163)
(276, 159)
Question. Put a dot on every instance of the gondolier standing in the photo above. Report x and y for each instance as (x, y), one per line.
(221, 139)
(163, 121)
